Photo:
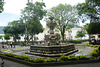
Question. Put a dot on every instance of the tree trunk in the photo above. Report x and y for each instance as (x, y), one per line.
(25, 37)
(32, 37)
(14, 38)
(28, 38)
(63, 37)
(62, 34)
(89, 39)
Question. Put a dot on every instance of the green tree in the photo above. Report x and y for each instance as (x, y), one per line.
(85, 27)
(31, 14)
(7, 36)
(34, 11)
(15, 28)
(65, 16)
(18, 38)
(89, 10)
(1, 5)
(80, 34)
(0, 37)
(36, 28)
(93, 28)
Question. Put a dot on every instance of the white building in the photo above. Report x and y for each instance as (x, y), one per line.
(69, 35)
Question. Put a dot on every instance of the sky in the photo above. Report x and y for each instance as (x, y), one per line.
(12, 8)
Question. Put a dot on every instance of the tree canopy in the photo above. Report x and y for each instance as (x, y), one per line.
(1, 5)
(0, 37)
(15, 28)
(34, 27)
(89, 10)
(7, 36)
(65, 16)
(34, 11)
(93, 28)
(32, 14)
(80, 34)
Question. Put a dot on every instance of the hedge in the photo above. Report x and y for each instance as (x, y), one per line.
(42, 60)
(74, 41)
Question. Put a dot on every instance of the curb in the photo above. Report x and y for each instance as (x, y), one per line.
(51, 63)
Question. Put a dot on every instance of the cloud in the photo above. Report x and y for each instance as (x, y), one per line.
(15, 6)
(51, 3)
(12, 8)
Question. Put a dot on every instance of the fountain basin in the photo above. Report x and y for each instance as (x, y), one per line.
(52, 51)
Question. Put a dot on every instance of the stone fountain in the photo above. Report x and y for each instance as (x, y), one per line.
(52, 47)
(52, 39)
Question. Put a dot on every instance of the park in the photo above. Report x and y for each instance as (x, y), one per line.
(60, 42)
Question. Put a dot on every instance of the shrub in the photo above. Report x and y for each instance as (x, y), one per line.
(40, 60)
(18, 57)
(88, 45)
(1, 53)
(72, 58)
(83, 58)
(10, 54)
(50, 60)
(84, 40)
(95, 53)
(16, 43)
(24, 57)
(31, 60)
(63, 58)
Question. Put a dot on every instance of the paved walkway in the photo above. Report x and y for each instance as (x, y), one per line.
(8, 63)
(80, 65)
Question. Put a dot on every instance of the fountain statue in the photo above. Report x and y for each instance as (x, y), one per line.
(52, 39)
(52, 46)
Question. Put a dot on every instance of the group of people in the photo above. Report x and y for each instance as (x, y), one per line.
(10, 44)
